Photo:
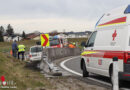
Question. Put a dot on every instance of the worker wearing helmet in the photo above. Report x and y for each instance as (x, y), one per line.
(21, 51)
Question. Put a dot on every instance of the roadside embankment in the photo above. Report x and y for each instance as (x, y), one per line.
(14, 70)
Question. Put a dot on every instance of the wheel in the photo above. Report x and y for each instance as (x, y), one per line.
(85, 72)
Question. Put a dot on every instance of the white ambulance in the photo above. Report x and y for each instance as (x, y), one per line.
(111, 38)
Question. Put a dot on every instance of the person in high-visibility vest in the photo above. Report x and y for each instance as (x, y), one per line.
(21, 51)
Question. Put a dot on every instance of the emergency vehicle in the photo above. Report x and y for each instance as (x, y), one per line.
(110, 39)
(58, 42)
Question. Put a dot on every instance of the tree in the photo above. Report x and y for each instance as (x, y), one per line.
(2, 29)
(24, 35)
(10, 30)
(1, 34)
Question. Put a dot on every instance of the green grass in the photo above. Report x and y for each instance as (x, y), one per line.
(15, 70)
(25, 78)
(7, 46)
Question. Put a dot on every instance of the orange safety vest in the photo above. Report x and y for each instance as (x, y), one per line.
(71, 46)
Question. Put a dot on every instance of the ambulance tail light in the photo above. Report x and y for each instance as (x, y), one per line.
(127, 57)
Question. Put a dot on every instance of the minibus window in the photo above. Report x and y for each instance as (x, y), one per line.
(127, 10)
(91, 40)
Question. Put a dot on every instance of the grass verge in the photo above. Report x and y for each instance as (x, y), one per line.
(14, 70)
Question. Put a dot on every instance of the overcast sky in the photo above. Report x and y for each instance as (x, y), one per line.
(49, 15)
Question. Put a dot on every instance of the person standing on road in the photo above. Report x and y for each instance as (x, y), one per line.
(14, 49)
(21, 51)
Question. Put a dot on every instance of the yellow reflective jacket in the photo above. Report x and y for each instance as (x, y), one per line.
(21, 48)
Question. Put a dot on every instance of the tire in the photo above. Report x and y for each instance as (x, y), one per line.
(85, 72)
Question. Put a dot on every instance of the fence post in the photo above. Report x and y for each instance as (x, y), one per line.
(115, 79)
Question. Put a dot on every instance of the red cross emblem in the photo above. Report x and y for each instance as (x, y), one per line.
(99, 62)
(114, 35)
(87, 60)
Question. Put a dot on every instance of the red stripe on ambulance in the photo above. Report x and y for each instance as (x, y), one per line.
(118, 20)
(110, 54)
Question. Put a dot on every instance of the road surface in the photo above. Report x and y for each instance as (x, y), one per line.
(73, 65)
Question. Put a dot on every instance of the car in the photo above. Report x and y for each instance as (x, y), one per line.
(35, 53)
(110, 39)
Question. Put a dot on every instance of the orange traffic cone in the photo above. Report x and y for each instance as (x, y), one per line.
(11, 53)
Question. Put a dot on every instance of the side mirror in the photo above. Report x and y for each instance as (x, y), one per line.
(83, 44)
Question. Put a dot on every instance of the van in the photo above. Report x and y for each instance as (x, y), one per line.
(35, 53)
(110, 39)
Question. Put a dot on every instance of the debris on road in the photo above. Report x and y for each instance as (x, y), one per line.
(49, 67)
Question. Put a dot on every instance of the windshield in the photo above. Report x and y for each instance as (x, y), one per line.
(127, 10)
(36, 49)
(54, 42)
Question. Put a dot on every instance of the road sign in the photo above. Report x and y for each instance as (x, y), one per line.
(45, 40)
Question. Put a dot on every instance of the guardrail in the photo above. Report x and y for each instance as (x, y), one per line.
(57, 53)
(50, 54)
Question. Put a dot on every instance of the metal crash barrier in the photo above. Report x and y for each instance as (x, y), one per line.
(51, 54)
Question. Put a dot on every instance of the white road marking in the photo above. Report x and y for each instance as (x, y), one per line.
(62, 64)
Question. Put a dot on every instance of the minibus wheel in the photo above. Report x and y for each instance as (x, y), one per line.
(85, 72)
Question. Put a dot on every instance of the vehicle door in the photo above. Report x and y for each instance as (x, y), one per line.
(89, 51)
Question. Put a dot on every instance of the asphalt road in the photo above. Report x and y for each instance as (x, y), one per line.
(73, 65)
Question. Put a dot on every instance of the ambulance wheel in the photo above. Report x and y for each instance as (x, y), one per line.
(85, 72)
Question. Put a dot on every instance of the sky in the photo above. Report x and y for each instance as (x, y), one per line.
(49, 15)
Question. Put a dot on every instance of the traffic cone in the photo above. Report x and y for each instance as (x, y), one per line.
(11, 53)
